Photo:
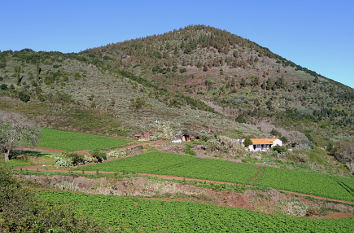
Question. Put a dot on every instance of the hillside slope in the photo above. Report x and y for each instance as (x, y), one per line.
(196, 78)
(237, 78)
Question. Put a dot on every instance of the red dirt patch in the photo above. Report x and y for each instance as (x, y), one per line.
(255, 175)
(39, 168)
(335, 215)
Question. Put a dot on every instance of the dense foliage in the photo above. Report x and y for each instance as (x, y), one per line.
(139, 215)
(20, 211)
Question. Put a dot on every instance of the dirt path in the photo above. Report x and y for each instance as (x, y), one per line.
(260, 177)
(335, 215)
(255, 175)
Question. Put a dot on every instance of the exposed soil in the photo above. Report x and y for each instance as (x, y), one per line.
(269, 202)
(334, 215)
(255, 175)
(40, 168)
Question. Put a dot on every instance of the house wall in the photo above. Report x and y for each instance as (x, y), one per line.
(277, 142)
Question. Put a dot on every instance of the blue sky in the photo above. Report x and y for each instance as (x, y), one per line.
(316, 34)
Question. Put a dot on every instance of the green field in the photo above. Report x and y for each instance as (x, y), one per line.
(212, 169)
(180, 165)
(138, 215)
(73, 141)
(309, 182)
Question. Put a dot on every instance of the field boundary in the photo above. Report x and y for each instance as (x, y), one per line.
(39, 168)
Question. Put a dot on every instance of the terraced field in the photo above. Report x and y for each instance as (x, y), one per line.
(309, 182)
(74, 141)
(186, 166)
(180, 165)
(139, 215)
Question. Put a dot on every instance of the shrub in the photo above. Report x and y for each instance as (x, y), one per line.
(76, 158)
(189, 150)
(62, 161)
(275, 132)
(204, 138)
(182, 70)
(3, 87)
(24, 97)
(99, 155)
(247, 142)
(279, 149)
(20, 211)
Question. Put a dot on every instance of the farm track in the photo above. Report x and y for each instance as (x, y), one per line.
(40, 168)
(255, 175)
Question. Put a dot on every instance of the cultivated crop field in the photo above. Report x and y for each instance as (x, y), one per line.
(180, 165)
(140, 215)
(73, 141)
(211, 169)
(309, 182)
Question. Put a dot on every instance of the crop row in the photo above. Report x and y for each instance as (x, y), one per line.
(73, 141)
(219, 170)
(180, 165)
(140, 215)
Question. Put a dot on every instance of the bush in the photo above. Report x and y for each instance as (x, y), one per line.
(247, 142)
(275, 132)
(62, 161)
(76, 158)
(20, 211)
(66, 159)
(24, 97)
(182, 70)
(100, 156)
(3, 87)
(279, 149)
(189, 150)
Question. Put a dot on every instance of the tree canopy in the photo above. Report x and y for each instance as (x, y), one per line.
(16, 130)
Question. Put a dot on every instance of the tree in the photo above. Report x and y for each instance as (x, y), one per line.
(15, 130)
(243, 82)
(21, 211)
(247, 142)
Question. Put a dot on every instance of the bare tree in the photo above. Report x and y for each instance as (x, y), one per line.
(15, 130)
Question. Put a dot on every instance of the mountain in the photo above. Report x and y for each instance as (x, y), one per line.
(196, 78)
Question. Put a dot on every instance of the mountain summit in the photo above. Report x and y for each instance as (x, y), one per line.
(198, 77)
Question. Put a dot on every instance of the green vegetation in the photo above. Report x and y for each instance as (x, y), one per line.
(309, 182)
(139, 215)
(20, 211)
(187, 166)
(180, 165)
(73, 141)
(189, 150)
(15, 163)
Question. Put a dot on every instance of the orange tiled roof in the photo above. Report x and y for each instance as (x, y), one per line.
(256, 141)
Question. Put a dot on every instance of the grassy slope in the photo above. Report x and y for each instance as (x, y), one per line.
(133, 214)
(72, 141)
(186, 166)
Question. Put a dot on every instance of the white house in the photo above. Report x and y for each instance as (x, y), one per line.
(263, 144)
